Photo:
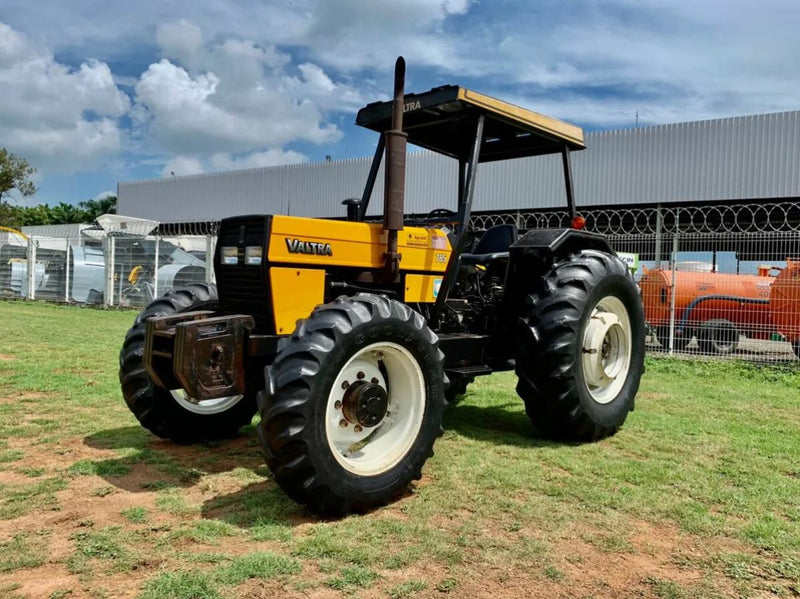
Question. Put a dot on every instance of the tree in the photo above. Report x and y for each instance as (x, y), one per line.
(98, 207)
(15, 173)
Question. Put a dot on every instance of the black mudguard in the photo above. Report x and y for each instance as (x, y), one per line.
(535, 253)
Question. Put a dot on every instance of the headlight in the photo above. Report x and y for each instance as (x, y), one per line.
(230, 255)
(252, 255)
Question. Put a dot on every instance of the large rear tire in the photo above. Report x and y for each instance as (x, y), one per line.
(580, 348)
(170, 414)
(352, 404)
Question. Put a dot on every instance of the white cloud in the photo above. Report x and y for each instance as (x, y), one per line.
(191, 165)
(57, 117)
(271, 157)
(182, 165)
(234, 96)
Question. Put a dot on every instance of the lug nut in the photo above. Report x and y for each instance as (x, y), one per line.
(357, 428)
(343, 423)
(360, 375)
(345, 384)
(338, 405)
(374, 380)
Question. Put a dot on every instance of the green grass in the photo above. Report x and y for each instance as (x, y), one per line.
(22, 551)
(704, 476)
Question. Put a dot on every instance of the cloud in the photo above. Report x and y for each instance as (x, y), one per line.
(272, 157)
(220, 161)
(57, 117)
(233, 96)
(182, 165)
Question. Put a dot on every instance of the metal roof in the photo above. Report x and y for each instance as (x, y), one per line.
(443, 120)
(750, 157)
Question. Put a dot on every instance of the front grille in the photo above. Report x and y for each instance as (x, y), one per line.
(244, 289)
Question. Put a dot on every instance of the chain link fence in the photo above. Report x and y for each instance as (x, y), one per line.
(716, 280)
(120, 262)
(719, 280)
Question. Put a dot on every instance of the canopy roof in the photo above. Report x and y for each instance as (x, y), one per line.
(443, 120)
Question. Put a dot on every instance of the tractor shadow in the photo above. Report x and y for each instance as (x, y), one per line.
(148, 464)
(499, 423)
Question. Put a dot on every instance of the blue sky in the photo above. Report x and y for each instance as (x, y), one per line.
(95, 93)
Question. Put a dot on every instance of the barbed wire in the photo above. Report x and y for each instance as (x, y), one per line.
(777, 217)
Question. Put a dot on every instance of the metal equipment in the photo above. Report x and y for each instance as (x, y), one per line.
(347, 336)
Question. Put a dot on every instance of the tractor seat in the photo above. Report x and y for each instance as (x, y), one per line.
(493, 245)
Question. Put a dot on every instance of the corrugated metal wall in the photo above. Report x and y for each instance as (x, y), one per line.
(747, 157)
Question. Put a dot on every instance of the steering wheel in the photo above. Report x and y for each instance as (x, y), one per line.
(441, 213)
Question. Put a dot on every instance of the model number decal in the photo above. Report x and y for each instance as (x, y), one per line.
(298, 246)
(442, 258)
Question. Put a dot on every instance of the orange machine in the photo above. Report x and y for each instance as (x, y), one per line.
(715, 307)
(784, 303)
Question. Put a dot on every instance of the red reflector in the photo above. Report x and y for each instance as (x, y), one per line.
(578, 222)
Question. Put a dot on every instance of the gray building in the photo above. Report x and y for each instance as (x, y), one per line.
(742, 158)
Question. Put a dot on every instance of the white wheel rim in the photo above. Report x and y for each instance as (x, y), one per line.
(606, 349)
(369, 451)
(206, 407)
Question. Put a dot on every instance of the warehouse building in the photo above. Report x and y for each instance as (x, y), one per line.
(742, 159)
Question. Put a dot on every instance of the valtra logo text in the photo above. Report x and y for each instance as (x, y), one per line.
(298, 246)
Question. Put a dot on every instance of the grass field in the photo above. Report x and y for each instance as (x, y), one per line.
(697, 496)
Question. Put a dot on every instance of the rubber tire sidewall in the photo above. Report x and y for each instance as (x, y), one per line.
(301, 460)
(362, 336)
(616, 410)
(156, 408)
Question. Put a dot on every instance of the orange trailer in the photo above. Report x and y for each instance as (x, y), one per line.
(784, 303)
(715, 307)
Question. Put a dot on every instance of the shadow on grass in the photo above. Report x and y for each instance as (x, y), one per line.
(147, 463)
(498, 423)
(151, 464)
(262, 506)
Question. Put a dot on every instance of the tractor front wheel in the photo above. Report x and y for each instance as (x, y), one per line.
(171, 413)
(580, 347)
(353, 404)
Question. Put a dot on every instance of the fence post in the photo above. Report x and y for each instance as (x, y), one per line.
(659, 224)
(108, 256)
(66, 272)
(210, 258)
(31, 268)
(673, 285)
(155, 267)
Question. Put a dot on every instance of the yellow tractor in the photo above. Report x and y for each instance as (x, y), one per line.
(349, 337)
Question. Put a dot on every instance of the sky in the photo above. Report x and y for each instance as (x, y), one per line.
(93, 93)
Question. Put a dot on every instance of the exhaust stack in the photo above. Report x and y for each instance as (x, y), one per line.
(395, 183)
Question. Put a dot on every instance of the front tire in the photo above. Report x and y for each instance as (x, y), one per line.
(580, 348)
(170, 414)
(353, 404)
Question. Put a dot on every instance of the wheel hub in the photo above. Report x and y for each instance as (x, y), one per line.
(603, 348)
(365, 404)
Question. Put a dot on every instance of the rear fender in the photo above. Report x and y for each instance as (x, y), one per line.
(535, 253)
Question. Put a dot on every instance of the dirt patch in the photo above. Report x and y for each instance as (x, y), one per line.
(91, 504)
(7, 358)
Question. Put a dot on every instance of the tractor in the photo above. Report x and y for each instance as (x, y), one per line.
(349, 337)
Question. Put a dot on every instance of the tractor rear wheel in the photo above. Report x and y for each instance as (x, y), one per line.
(171, 414)
(580, 348)
(353, 404)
